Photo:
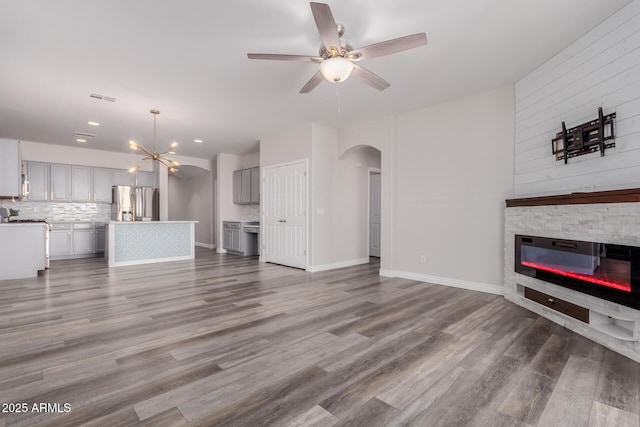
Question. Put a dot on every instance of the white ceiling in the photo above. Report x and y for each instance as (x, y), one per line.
(188, 59)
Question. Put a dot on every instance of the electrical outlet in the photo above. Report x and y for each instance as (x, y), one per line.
(423, 259)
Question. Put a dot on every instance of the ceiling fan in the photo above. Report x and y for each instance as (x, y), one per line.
(337, 58)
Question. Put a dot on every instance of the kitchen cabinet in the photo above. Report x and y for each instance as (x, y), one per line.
(83, 238)
(255, 185)
(90, 184)
(99, 238)
(60, 182)
(246, 186)
(10, 168)
(23, 253)
(102, 183)
(38, 176)
(81, 183)
(235, 239)
(231, 236)
(60, 240)
(237, 187)
(122, 177)
(146, 179)
(76, 240)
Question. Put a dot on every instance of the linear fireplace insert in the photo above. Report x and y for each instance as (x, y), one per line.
(607, 271)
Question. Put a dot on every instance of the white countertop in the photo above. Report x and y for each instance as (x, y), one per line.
(23, 224)
(151, 222)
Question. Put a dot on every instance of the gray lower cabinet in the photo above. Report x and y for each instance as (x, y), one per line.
(83, 239)
(76, 240)
(60, 240)
(231, 236)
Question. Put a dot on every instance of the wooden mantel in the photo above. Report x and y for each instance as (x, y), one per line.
(631, 195)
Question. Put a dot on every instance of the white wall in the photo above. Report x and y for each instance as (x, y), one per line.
(601, 69)
(350, 229)
(191, 201)
(287, 146)
(454, 170)
(324, 154)
(381, 134)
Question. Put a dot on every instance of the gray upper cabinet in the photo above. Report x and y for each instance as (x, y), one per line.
(102, 183)
(10, 168)
(60, 182)
(246, 186)
(245, 179)
(38, 176)
(122, 177)
(146, 179)
(81, 183)
(255, 185)
(237, 187)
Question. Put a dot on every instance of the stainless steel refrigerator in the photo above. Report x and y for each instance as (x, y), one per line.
(131, 203)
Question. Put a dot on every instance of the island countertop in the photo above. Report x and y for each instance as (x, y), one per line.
(150, 222)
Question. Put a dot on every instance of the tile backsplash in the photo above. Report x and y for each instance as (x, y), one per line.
(251, 213)
(61, 212)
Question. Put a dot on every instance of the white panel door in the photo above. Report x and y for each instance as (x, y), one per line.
(374, 214)
(284, 226)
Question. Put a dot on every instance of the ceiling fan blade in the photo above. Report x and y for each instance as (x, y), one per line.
(326, 25)
(312, 83)
(369, 78)
(388, 47)
(279, 57)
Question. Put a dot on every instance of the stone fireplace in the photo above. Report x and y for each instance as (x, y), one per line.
(574, 260)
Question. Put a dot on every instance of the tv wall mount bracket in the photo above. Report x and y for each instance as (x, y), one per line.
(584, 139)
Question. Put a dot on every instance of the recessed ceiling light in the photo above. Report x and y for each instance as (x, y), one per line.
(94, 123)
(199, 141)
(81, 140)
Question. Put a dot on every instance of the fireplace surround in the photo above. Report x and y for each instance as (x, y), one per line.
(594, 222)
(603, 270)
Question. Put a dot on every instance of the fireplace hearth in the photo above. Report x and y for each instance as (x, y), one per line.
(607, 271)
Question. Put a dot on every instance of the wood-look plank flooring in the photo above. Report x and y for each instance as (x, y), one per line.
(227, 341)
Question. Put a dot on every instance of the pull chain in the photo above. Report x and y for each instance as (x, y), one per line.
(337, 96)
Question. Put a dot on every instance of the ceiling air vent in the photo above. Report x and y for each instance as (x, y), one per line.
(102, 97)
(85, 135)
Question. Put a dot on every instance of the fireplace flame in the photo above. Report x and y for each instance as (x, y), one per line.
(626, 287)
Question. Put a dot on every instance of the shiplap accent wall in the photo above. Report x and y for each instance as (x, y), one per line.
(601, 69)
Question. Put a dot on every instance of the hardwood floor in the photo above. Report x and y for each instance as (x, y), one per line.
(226, 341)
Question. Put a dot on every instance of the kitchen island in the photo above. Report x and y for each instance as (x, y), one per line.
(22, 250)
(144, 242)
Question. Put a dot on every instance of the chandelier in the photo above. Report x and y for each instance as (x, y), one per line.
(172, 165)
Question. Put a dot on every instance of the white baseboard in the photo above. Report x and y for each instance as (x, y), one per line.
(205, 245)
(386, 273)
(221, 250)
(446, 281)
(334, 265)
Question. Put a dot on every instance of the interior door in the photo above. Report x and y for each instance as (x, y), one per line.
(374, 214)
(284, 225)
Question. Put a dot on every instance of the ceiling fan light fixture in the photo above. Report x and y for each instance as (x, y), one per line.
(336, 69)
